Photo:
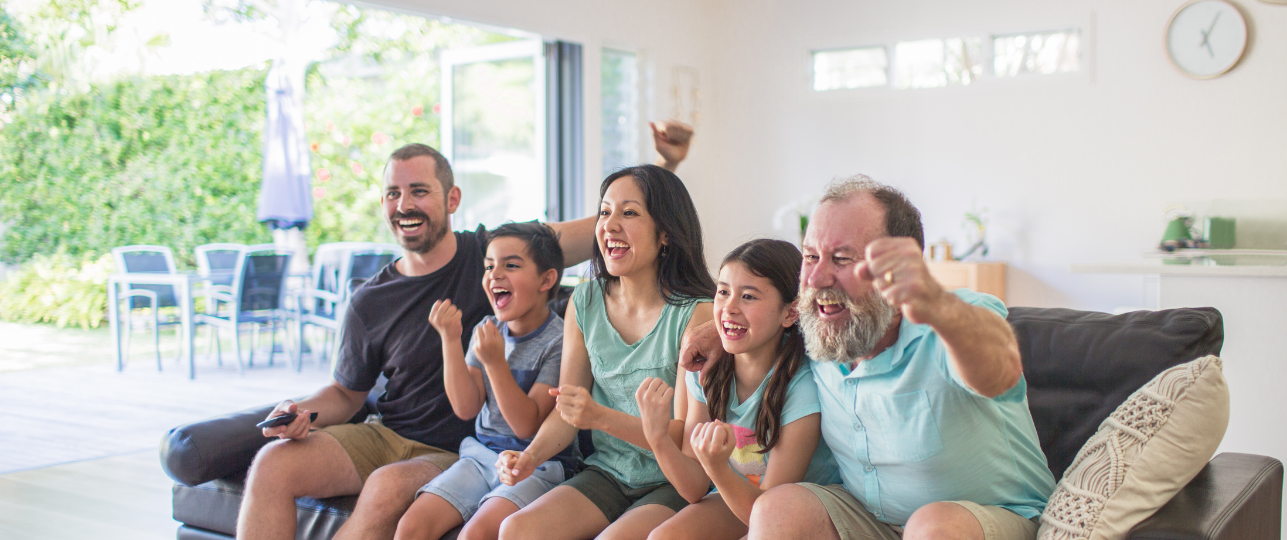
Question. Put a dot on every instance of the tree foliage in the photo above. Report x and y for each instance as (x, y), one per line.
(69, 39)
(17, 63)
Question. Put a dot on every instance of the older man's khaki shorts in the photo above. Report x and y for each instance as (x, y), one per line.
(371, 446)
(854, 522)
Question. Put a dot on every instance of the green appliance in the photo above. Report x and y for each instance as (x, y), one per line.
(1219, 232)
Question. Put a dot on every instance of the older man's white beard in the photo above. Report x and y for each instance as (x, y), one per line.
(869, 319)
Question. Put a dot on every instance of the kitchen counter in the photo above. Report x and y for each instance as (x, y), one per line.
(1198, 262)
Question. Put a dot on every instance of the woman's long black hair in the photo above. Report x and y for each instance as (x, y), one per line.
(778, 261)
(681, 266)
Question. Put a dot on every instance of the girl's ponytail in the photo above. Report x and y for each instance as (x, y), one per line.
(768, 421)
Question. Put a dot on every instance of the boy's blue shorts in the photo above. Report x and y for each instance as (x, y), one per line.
(474, 479)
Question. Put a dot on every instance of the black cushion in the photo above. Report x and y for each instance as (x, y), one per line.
(1081, 365)
(224, 446)
(214, 448)
(187, 532)
(212, 508)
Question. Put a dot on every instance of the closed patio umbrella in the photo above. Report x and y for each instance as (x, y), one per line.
(285, 196)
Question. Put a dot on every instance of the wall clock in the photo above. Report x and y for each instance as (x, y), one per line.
(1206, 38)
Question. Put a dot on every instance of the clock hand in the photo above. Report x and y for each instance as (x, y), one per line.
(1213, 23)
(1206, 35)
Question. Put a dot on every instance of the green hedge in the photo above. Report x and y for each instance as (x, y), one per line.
(157, 160)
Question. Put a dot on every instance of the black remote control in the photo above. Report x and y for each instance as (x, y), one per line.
(283, 420)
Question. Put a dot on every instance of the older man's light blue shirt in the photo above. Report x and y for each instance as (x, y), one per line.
(906, 431)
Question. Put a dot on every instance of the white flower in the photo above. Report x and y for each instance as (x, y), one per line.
(787, 217)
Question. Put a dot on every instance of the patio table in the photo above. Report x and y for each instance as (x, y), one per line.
(183, 289)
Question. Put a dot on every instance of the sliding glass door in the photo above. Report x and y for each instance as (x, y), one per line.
(494, 131)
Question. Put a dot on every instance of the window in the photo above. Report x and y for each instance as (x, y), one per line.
(621, 126)
(850, 68)
(1043, 53)
(933, 63)
(511, 116)
(493, 131)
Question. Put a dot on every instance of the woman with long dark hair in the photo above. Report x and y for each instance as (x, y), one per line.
(755, 422)
(625, 326)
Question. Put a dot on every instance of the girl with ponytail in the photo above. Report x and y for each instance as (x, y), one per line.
(763, 403)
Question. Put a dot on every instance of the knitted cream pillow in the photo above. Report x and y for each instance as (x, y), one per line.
(1149, 448)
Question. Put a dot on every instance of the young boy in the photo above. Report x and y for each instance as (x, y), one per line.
(505, 380)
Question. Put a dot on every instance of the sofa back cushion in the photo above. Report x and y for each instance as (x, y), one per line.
(1081, 365)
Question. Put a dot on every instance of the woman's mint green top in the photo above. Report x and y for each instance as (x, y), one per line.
(618, 369)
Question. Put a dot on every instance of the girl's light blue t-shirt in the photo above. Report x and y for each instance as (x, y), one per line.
(801, 401)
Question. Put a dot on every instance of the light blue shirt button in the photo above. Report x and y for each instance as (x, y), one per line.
(858, 426)
(869, 468)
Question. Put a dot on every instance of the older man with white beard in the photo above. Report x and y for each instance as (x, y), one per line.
(922, 392)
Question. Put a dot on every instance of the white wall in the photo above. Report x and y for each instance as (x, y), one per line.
(1071, 168)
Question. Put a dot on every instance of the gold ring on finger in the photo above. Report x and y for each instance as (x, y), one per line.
(889, 277)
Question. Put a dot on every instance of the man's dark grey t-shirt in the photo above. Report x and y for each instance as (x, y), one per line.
(387, 330)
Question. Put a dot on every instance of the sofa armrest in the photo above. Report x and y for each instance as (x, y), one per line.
(1235, 497)
(214, 448)
(202, 451)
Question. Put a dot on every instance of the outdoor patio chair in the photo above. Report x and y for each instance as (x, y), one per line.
(256, 296)
(366, 263)
(217, 264)
(145, 259)
(323, 304)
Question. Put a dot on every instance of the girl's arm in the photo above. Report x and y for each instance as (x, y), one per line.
(464, 384)
(654, 398)
(555, 433)
(524, 412)
(788, 462)
(697, 414)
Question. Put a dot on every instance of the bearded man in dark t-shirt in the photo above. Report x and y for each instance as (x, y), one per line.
(386, 331)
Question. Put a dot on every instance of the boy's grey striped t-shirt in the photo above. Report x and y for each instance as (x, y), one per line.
(533, 358)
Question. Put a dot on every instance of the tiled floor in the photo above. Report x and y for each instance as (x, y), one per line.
(59, 415)
(125, 497)
(78, 440)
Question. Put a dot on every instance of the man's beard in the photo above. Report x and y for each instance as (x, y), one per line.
(846, 340)
(426, 241)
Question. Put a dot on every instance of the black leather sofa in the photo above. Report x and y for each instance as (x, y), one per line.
(1079, 366)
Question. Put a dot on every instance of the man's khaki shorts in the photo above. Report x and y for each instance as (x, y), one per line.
(854, 522)
(371, 446)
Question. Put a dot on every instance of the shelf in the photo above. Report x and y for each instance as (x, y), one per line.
(984, 277)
